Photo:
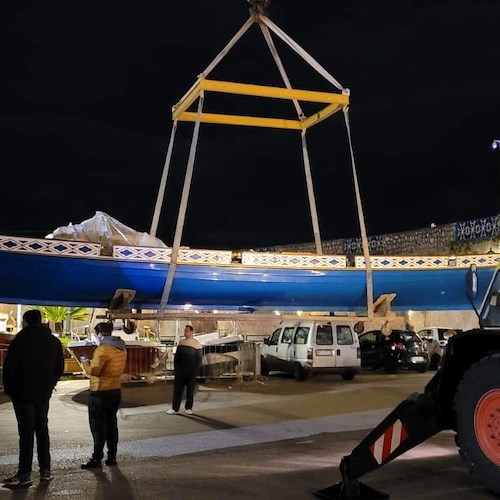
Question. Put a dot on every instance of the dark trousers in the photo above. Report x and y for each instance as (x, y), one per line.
(32, 419)
(103, 406)
(182, 380)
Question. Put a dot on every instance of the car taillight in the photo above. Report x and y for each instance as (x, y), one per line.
(358, 353)
(309, 353)
(398, 345)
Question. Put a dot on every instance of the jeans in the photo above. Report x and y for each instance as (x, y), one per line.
(32, 419)
(181, 380)
(103, 406)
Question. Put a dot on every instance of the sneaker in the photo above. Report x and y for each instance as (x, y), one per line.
(188, 411)
(46, 475)
(172, 412)
(16, 481)
(110, 462)
(92, 464)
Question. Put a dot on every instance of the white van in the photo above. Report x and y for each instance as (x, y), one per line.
(436, 339)
(302, 347)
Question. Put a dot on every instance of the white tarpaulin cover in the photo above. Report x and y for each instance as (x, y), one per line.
(104, 229)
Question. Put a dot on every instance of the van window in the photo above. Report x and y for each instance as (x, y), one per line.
(287, 335)
(301, 335)
(368, 339)
(324, 335)
(344, 335)
(274, 337)
(427, 335)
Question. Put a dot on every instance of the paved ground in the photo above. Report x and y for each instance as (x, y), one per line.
(280, 440)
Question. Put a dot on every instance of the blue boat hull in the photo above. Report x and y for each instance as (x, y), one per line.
(91, 282)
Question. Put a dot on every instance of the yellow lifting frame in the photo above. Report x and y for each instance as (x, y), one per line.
(335, 102)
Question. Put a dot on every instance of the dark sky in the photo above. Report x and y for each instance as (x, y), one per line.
(87, 88)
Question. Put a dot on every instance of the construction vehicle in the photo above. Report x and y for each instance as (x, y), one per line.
(464, 395)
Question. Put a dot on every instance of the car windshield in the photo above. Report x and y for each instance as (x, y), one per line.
(406, 336)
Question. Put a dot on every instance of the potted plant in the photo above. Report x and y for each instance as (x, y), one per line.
(58, 315)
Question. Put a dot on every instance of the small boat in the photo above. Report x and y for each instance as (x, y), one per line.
(72, 273)
(143, 358)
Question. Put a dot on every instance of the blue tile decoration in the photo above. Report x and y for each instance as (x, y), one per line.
(307, 261)
(162, 254)
(49, 246)
(478, 229)
(355, 245)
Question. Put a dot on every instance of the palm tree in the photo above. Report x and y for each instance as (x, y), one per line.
(58, 315)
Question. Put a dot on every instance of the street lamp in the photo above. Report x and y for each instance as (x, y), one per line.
(495, 146)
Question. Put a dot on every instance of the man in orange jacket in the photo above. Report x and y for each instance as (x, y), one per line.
(105, 370)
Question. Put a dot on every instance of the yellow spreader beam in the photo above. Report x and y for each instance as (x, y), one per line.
(335, 102)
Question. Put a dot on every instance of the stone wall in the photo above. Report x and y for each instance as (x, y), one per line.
(465, 320)
(479, 236)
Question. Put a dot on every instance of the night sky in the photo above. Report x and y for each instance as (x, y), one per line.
(87, 89)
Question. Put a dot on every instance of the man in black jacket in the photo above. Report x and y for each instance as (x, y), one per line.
(33, 365)
(187, 362)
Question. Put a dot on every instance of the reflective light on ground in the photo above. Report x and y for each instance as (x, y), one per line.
(427, 450)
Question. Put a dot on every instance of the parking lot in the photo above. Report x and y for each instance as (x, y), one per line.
(274, 438)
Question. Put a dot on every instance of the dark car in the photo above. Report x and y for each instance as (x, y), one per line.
(399, 349)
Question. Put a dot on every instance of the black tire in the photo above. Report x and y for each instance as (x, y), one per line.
(434, 363)
(390, 366)
(422, 368)
(264, 369)
(299, 374)
(481, 379)
(348, 374)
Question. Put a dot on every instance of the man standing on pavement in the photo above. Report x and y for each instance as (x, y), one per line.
(105, 370)
(33, 365)
(187, 362)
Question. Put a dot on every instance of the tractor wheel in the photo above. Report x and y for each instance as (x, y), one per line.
(264, 369)
(477, 404)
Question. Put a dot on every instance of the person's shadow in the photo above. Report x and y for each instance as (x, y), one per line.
(115, 485)
(37, 493)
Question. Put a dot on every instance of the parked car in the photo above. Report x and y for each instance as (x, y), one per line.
(303, 347)
(436, 338)
(399, 349)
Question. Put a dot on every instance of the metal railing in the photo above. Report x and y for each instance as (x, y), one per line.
(231, 360)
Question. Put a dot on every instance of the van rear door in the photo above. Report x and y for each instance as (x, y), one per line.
(323, 347)
(347, 346)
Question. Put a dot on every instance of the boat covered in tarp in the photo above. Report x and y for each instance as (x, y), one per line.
(107, 231)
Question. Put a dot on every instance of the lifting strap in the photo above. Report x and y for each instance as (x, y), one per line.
(265, 24)
(361, 217)
(182, 209)
(305, 152)
(163, 182)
